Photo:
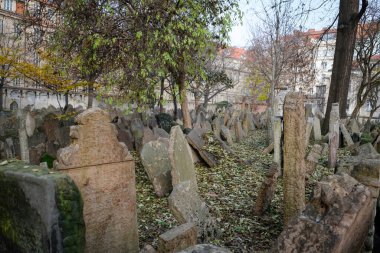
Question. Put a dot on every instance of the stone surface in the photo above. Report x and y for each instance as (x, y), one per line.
(159, 132)
(217, 127)
(205, 248)
(137, 130)
(177, 238)
(148, 136)
(104, 172)
(41, 211)
(226, 135)
(365, 149)
(30, 124)
(187, 206)
(336, 220)
(267, 189)
(181, 159)
(333, 135)
(294, 155)
(93, 143)
(309, 127)
(148, 249)
(35, 153)
(346, 135)
(317, 129)
(277, 136)
(196, 139)
(156, 162)
(239, 133)
(312, 158)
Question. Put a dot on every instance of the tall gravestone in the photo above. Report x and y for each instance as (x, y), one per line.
(181, 159)
(294, 155)
(333, 135)
(23, 136)
(103, 170)
(277, 128)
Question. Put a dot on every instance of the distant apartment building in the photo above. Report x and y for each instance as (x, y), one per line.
(323, 63)
(23, 25)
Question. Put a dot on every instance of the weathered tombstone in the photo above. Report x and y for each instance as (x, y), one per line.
(239, 133)
(294, 155)
(346, 135)
(103, 170)
(156, 162)
(312, 158)
(125, 136)
(30, 124)
(267, 189)
(333, 135)
(279, 103)
(336, 220)
(23, 137)
(195, 139)
(205, 248)
(159, 132)
(177, 238)
(226, 135)
(41, 210)
(277, 128)
(148, 136)
(187, 206)
(353, 126)
(216, 127)
(309, 127)
(9, 148)
(181, 159)
(137, 129)
(317, 129)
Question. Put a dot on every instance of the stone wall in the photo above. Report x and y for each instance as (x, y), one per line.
(40, 211)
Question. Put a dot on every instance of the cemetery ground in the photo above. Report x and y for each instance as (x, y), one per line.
(230, 191)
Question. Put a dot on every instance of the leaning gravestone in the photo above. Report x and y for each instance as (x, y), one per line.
(148, 136)
(156, 162)
(195, 139)
(181, 159)
(159, 132)
(226, 135)
(103, 170)
(187, 206)
(30, 124)
(137, 129)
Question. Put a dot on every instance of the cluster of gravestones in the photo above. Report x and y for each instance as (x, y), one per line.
(340, 215)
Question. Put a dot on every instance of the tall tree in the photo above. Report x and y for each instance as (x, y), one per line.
(367, 50)
(137, 43)
(349, 16)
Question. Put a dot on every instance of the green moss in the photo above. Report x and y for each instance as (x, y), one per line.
(70, 206)
(48, 159)
(21, 228)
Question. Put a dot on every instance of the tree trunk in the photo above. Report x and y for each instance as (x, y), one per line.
(90, 95)
(184, 103)
(1, 98)
(356, 110)
(197, 99)
(344, 50)
(161, 102)
(66, 101)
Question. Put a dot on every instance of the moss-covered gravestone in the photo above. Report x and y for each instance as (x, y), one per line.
(40, 211)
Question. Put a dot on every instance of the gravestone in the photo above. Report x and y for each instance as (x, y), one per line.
(23, 137)
(195, 139)
(181, 159)
(137, 129)
(309, 127)
(267, 189)
(187, 206)
(346, 135)
(216, 127)
(312, 158)
(148, 136)
(294, 155)
(239, 133)
(159, 132)
(103, 170)
(277, 136)
(30, 124)
(205, 248)
(156, 162)
(177, 238)
(317, 129)
(333, 135)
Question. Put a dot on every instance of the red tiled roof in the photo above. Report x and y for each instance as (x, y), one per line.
(234, 52)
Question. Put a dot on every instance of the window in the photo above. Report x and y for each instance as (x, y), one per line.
(17, 29)
(16, 82)
(8, 5)
(368, 106)
(321, 90)
(1, 26)
(324, 65)
(36, 59)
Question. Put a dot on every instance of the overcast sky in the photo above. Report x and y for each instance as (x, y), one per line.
(240, 32)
